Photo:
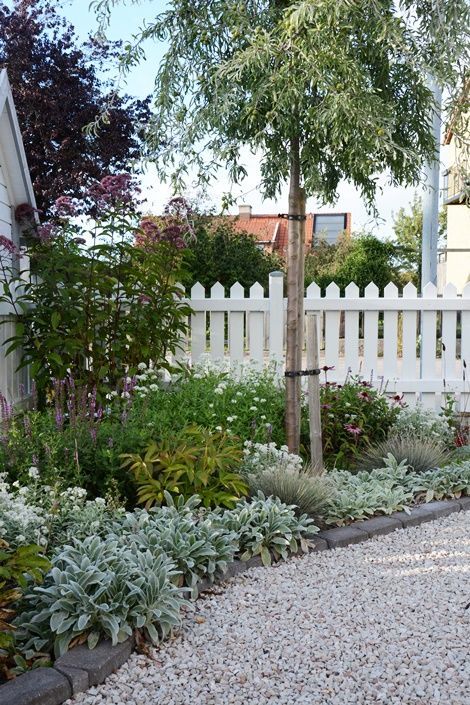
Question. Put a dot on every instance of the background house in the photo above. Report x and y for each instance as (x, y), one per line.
(15, 190)
(455, 264)
(271, 231)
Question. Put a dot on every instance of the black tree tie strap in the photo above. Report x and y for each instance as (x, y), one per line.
(301, 373)
(289, 216)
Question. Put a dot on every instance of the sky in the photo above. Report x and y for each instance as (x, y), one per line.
(126, 19)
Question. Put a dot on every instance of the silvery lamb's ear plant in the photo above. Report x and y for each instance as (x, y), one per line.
(197, 548)
(420, 453)
(447, 482)
(365, 494)
(98, 588)
(266, 526)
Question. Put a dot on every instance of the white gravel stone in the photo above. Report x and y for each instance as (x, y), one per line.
(381, 622)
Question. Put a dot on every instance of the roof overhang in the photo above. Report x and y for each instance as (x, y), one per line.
(12, 152)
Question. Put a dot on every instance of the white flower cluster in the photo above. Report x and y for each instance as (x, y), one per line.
(260, 457)
(37, 513)
(424, 423)
(20, 522)
(244, 370)
(149, 379)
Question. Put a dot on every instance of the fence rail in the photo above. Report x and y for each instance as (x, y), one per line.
(416, 345)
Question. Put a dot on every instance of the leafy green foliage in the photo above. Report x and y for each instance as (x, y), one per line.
(420, 454)
(360, 496)
(419, 422)
(408, 231)
(220, 253)
(354, 416)
(18, 566)
(194, 461)
(360, 260)
(266, 527)
(445, 483)
(393, 487)
(100, 304)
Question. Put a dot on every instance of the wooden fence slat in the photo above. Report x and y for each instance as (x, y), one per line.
(371, 334)
(217, 325)
(409, 368)
(390, 340)
(198, 326)
(256, 328)
(449, 340)
(236, 326)
(351, 332)
(465, 353)
(428, 346)
(276, 317)
(332, 322)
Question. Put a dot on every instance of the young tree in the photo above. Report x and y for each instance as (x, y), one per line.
(57, 92)
(408, 231)
(321, 90)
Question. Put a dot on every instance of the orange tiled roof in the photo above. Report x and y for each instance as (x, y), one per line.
(270, 230)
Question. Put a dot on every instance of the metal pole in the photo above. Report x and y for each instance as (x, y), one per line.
(431, 198)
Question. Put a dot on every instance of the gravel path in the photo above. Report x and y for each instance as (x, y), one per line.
(380, 622)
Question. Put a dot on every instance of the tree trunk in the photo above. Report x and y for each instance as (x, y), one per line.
(295, 254)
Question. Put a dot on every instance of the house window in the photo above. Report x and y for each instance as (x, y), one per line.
(329, 226)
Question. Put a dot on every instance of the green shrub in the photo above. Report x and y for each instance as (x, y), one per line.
(194, 461)
(419, 452)
(354, 416)
(18, 566)
(309, 493)
(98, 292)
(239, 399)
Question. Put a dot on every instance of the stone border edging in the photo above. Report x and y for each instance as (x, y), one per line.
(80, 668)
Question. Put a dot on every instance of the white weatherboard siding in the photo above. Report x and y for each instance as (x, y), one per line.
(15, 190)
(5, 205)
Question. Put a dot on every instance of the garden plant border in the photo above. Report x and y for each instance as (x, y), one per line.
(81, 668)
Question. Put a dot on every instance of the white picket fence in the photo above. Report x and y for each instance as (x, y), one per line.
(415, 345)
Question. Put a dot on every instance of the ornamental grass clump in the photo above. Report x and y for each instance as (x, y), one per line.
(421, 453)
(307, 492)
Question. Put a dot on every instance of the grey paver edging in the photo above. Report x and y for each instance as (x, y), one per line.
(80, 668)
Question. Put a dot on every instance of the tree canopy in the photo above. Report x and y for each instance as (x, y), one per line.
(321, 90)
(347, 78)
(58, 90)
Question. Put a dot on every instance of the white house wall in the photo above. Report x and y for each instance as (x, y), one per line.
(458, 237)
